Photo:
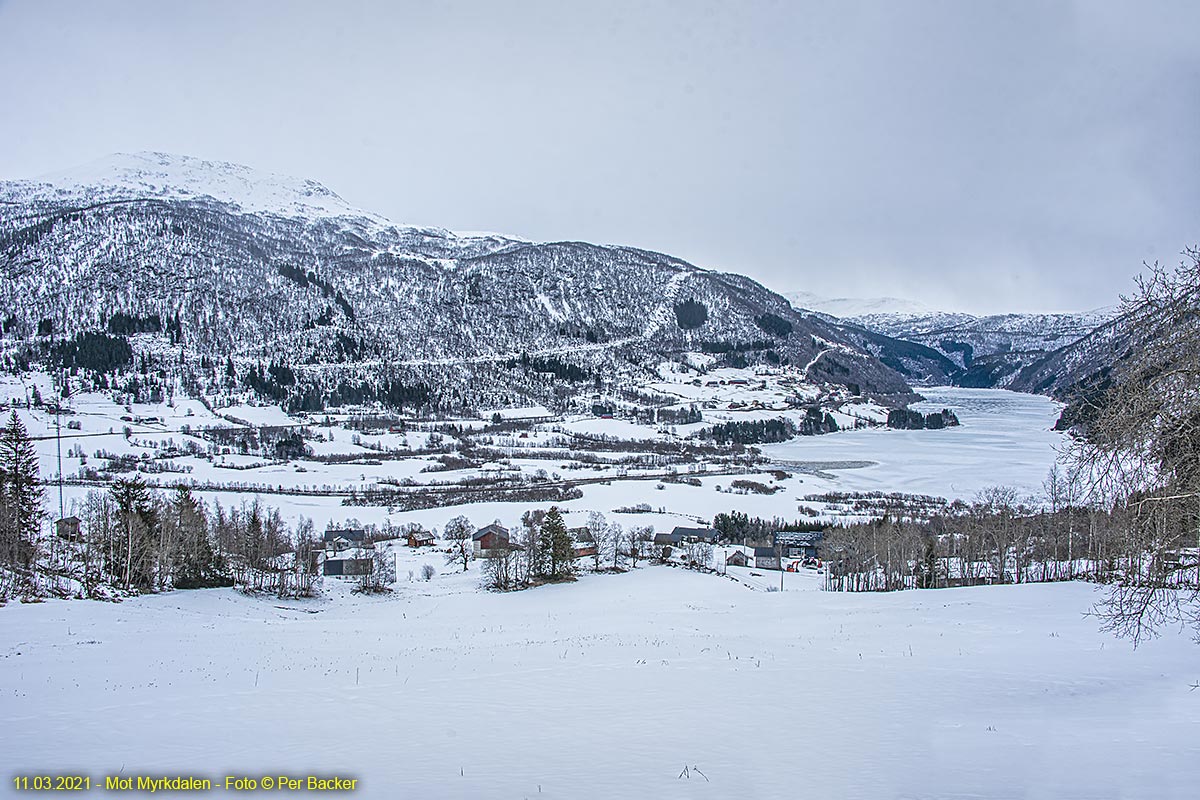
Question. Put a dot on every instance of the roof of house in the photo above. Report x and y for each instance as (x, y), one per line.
(760, 552)
(680, 531)
(422, 535)
(349, 534)
(667, 538)
(797, 538)
(499, 530)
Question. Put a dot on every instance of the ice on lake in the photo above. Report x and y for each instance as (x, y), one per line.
(1005, 439)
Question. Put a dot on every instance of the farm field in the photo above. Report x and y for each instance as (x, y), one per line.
(608, 688)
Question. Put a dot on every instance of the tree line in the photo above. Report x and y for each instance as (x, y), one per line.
(997, 538)
(132, 538)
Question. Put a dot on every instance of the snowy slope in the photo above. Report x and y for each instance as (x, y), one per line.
(262, 268)
(176, 177)
(853, 307)
(608, 688)
(982, 352)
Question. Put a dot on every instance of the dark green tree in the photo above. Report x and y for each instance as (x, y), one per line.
(138, 518)
(555, 546)
(20, 495)
(195, 565)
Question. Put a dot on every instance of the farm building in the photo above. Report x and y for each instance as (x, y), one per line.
(492, 540)
(766, 558)
(798, 545)
(690, 535)
(348, 567)
(665, 539)
(584, 543)
(419, 538)
(737, 558)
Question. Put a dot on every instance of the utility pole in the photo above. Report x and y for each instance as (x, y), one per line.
(779, 555)
(58, 401)
(58, 436)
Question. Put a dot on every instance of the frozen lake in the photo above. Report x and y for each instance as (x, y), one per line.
(1005, 440)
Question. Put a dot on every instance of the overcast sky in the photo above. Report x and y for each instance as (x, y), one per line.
(979, 156)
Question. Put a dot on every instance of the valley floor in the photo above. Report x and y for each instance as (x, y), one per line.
(608, 688)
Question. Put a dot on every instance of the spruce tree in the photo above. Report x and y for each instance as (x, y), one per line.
(195, 565)
(139, 524)
(556, 546)
(20, 494)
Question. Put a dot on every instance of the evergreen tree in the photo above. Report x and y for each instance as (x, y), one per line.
(20, 494)
(139, 525)
(555, 545)
(195, 565)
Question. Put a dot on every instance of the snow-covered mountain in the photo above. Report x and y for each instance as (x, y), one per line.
(163, 176)
(854, 307)
(232, 265)
(984, 351)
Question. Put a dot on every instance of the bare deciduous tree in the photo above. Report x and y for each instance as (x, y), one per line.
(1139, 448)
(458, 532)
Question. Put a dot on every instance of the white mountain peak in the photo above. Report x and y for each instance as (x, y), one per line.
(848, 307)
(170, 176)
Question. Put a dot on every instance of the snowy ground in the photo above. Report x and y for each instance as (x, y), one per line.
(608, 688)
(1005, 439)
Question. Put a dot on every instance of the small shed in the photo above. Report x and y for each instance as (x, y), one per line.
(67, 528)
(736, 559)
(419, 538)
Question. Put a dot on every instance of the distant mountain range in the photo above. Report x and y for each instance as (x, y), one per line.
(219, 273)
(854, 307)
(979, 351)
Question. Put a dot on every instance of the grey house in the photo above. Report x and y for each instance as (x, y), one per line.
(348, 567)
(337, 539)
(766, 558)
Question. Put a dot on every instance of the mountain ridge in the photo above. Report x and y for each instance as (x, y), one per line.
(343, 300)
(983, 351)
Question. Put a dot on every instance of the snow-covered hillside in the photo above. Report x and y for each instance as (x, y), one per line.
(175, 177)
(979, 351)
(229, 264)
(854, 307)
(657, 683)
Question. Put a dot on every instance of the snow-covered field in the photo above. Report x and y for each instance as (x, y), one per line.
(612, 686)
(1005, 439)
(608, 688)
